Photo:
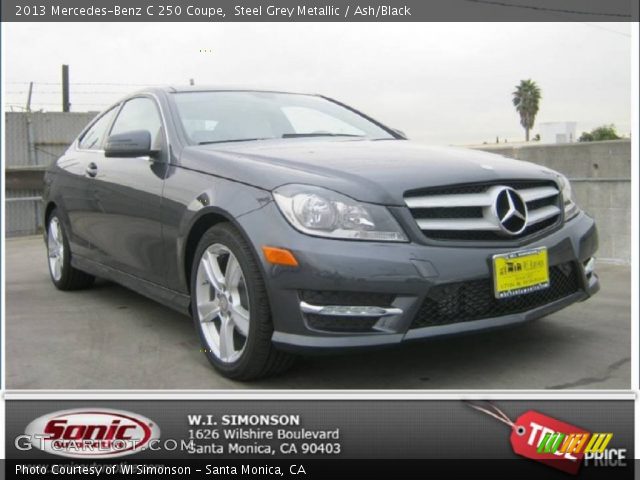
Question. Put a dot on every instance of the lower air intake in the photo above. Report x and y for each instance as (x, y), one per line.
(474, 300)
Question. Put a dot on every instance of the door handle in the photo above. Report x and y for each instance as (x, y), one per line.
(92, 170)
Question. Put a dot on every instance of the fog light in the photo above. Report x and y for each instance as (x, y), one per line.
(349, 310)
(353, 311)
(589, 266)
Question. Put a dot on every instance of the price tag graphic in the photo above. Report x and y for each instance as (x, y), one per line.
(530, 430)
(545, 439)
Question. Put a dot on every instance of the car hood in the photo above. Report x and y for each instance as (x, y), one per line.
(377, 171)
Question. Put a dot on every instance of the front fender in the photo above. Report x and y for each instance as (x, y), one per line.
(189, 214)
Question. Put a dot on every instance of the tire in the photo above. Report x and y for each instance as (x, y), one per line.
(63, 275)
(230, 307)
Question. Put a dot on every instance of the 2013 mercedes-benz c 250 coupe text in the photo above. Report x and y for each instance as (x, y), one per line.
(286, 223)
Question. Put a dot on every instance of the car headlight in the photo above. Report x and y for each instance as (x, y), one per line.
(325, 213)
(570, 207)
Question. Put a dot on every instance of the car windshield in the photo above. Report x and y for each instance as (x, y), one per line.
(236, 116)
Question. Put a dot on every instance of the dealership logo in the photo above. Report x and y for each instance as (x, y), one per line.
(92, 433)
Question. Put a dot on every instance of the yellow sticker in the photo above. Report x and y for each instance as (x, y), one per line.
(521, 272)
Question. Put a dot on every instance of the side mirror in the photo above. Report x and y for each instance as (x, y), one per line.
(136, 143)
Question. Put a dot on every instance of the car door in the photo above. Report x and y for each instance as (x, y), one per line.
(127, 219)
(74, 182)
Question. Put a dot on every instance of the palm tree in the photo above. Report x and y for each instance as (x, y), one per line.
(526, 99)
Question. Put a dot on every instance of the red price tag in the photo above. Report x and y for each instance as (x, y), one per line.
(542, 438)
(533, 428)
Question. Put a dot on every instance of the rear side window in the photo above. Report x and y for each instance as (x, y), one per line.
(140, 114)
(92, 139)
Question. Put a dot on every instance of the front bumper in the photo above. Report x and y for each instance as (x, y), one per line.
(409, 274)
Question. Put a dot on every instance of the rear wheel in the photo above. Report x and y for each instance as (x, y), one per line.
(63, 275)
(230, 307)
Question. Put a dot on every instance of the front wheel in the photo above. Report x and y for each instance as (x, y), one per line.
(230, 307)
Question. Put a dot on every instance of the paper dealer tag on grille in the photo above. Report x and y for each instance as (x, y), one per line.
(529, 432)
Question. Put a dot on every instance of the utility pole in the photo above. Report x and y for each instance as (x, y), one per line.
(31, 146)
(65, 88)
(29, 96)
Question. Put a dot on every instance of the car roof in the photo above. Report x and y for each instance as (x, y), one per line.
(218, 88)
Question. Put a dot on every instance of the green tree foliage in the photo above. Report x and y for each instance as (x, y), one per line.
(603, 132)
(526, 99)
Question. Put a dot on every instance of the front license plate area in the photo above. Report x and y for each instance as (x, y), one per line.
(517, 273)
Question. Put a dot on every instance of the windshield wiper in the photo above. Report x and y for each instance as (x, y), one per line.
(235, 140)
(302, 135)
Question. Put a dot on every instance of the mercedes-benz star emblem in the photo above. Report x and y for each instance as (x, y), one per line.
(511, 211)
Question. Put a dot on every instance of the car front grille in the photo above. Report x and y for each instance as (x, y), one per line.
(464, 212)
(475, 300)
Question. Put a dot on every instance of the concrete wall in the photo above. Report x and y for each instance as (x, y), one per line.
(600, 174)
(33, 141)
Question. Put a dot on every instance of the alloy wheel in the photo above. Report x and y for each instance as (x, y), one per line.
(222, 303)
(55, 248)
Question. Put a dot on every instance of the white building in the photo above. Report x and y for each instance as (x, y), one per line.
(557, 132)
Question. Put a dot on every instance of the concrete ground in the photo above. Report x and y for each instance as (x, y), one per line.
(111, 338)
